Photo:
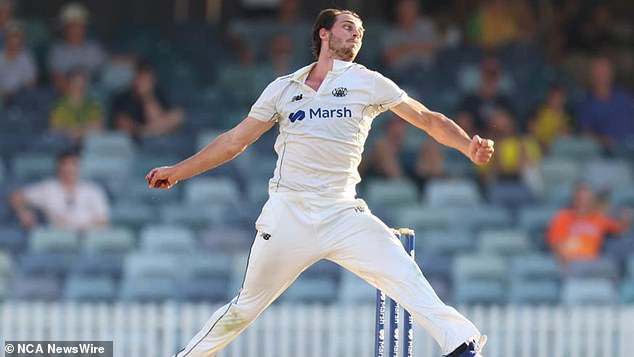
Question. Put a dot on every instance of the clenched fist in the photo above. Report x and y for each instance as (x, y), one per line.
(480, 150)
(161, 177)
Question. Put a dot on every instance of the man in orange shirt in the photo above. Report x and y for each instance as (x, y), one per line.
(577, 233)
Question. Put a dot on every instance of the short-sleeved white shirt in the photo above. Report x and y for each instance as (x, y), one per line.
(322, 133)
(80, 209)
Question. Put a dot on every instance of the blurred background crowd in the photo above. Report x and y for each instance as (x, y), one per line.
(92, 99)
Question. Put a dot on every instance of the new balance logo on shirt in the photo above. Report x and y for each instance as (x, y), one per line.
(320, 114)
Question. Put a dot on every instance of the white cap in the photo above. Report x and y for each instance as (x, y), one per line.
(74, 12)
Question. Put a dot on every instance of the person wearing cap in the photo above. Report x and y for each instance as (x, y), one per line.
(75, 50)
(17, 66)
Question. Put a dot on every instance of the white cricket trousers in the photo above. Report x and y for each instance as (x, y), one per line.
(295, 230)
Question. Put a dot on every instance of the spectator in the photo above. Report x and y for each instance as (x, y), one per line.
(6, 16)
(75, 115)
(17, 66)
(66, 201)
(412, 42)
(606, 112)
(75, 50)
(552, 119)
(280, 60)
(430, 162)
(499, 22)
(577, 233)
(476, 108)
(516, 157)
(144, 110)
(384, 160)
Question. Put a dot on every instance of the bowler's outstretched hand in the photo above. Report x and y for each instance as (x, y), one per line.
(480, 150)
(161, 177)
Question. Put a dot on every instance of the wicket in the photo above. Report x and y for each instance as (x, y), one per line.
(381, 312)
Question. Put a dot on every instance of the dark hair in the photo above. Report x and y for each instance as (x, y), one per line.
(144, 66)
(326, 19)
(67, 154)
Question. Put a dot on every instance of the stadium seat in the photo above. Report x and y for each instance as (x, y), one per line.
(627, 292)
(622, 196)
(258, 189)
(2, 171)
(480, 267)
(132, 215)
(212, 191)
(630, 266)
(92, 289)
(479, 293)
(323, 269)
(112, 144)
(116, 76)
(148, 289)
(168, 239)
(53, 240)
(578, 291)
(354, 290)
(6, 266)
(109, 240)
(482, 217)
(423, 218)
(4, 290)
(579, 149)
(203, 290)
(137, 190)
(619, 248)
(535, 220)
(535, 266)
(98, 264)
(534, 292)
(12, 239)
(557, 170)
(461, 193)
(114, 172)
(602, 174)
(44, 264)
(33, 166)
(227, 239)
(604, 268)
(195, 216)
(435, 266)
(146, 265)
(208, 266)
(446, 242)
(36, 288)
(510, 195)
(504, 242)
(391, 193)
(311, 290)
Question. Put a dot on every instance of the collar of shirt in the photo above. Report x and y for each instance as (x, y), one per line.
(338, 66)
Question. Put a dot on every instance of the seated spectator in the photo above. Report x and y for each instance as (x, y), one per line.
(476, 108)
(144, 110)
(75, 50)
(66, 201)
(577, 233)
(6, 16)
(75, 115)
(498, 22)
(606, 112)
(430, 162)
(17, 66)
(552, 119)
(413, 41)
(516, 156)
(384, 159)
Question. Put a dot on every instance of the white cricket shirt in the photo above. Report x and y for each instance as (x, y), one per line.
(322, 132)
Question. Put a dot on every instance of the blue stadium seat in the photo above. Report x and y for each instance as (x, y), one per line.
(475, 292)
(461, 193)
(435, 266)
(109, 240)
(630, 266)
(53, 240)
(535, 266)
(212, 190)
(98, 264)
(147, 265)
(510, 195)
(354, 290)
(423, 218)
(44, 264)
(114, 172)
(6, 266)
(168, 239)
(603, 267)
(534, 292)
(137, 190)
(12, 238)
(619, 248)
(36, 288)
(608, 173)
(208, 266)
(227, 239)
(578, 291)
(109, 144)
(509, 242)
(535, 220)
(203, 290)
(391, 193)
(195, 216)
(627, 292)
(323, 269)
(579, 149)
(33, 166)
(482, 217)
(133, 215)
(4, 290)
(446, 242)
(148, 289)
(311, 290)
(480, 267)
(92, 289)
(622, 196)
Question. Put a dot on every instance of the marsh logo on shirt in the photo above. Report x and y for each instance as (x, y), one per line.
(320, 113)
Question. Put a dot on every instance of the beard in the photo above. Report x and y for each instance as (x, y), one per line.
(341, 50)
